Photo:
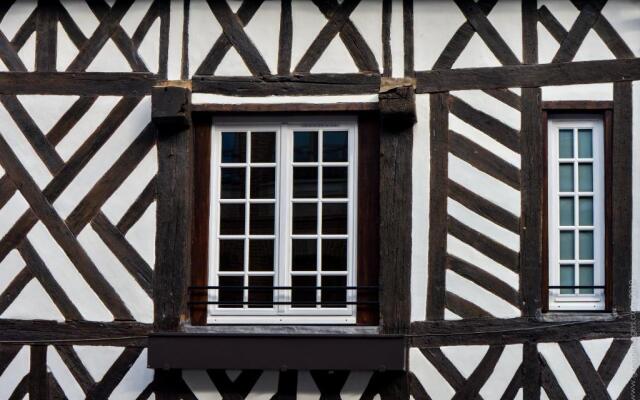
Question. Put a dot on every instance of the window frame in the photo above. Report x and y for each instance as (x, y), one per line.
(366, 139)
(577, 301)
(585, 110)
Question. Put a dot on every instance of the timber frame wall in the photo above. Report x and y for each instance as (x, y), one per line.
(167, 281)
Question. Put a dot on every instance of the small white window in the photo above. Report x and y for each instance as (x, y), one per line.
(282, 221)
(576, 213)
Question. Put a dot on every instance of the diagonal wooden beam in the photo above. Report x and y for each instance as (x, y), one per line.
(147, 21)
(550, 22)
(240, 387)
(584, 370)
(487, 32)
(108, 28)
(354, 42)
(480, 375)
(25, 31)
(12, 291)
(138, 208)
(9, 56)
(506, 96)
(464, 308)
(233, 30)
(579, 30)
(76, 367)
(114, 375)
(335, 24)
(330, 383)
(69, 25)
(222, 45)
(460, 39)
(445, 367)
(613, 359)
(483, 279)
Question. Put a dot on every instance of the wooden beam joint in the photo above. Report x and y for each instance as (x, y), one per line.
(397, 104)
(171, 106)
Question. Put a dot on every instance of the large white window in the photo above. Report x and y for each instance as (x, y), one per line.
(282, 221)
(576, 223)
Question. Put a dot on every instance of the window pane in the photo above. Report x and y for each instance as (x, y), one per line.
(585, 177)
(261, 219)
(585, 144)
(334, 182)
(232, 295)
(567, 278)
(335, 146)
(260, 255)
(334, 254)
(585, 209)
(231, 255)
(305, 182)
(304, 218)
(263, 147)
(565, 143)
(305, 146)
(566, 177)
(566, 211)
(566, 245)
(334, 218)
(303, 254)
(234, 147)
(261, 291)
(586, 278)
(232, 183)
(333, 292)
(263, 183)
(300, 296)
(232, 219)
(586, 245)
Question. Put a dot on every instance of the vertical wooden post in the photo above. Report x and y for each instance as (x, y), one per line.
(171, 113)
(38, 385)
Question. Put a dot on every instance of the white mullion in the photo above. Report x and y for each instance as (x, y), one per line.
(319, 230)
(282, 270)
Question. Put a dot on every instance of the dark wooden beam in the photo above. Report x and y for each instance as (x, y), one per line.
(69, 83)
(519, 330)
(170, 111)
(74, 332)
(285, 107)
(397, 104)
(577, 105)
(528, 75)
(291, 85)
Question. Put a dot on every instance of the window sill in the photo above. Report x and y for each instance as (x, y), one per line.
(277, 348)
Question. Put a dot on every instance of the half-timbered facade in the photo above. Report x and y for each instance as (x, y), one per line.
(304, 199)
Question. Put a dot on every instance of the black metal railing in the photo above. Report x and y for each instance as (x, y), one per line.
(369, 291)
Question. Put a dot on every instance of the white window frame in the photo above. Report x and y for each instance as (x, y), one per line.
(284, 128)
(577, 301)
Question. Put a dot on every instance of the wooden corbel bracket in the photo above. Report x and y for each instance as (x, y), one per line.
(397, 103)
(171, 105)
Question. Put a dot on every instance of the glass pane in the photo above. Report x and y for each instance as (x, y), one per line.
(263, 183)
(566, 211)
(585, 210)
(585, 177)
(300, 296)
(334, 254)
(232, 183)
(232, 295)
(335, 146)
(263, 147)
(305, 146)
(234, 147)
(565, 143)
(566, 177)
(303, 254)
(333, 292)
(586, 245)
(232, 219)
(334, 182)
(260, 255)
(567, 278)
(231, 256)
(334, 218)
(585, 143)
(586, 278)
(305, 218)
(305, 182)
(261, 219)
(566, 245)
(261, 291)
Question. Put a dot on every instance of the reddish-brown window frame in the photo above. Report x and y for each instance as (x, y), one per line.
(368, 268)
(603, 109)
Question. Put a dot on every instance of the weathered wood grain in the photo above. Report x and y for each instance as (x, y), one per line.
(86, 83)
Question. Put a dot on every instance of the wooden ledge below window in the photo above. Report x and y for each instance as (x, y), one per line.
(277, 351)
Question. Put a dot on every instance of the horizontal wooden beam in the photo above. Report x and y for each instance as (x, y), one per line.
(74, 332)
(289, 85)
(71, 83)
(285, 107)
(577, 105)
(528, 75)
(519, 330)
